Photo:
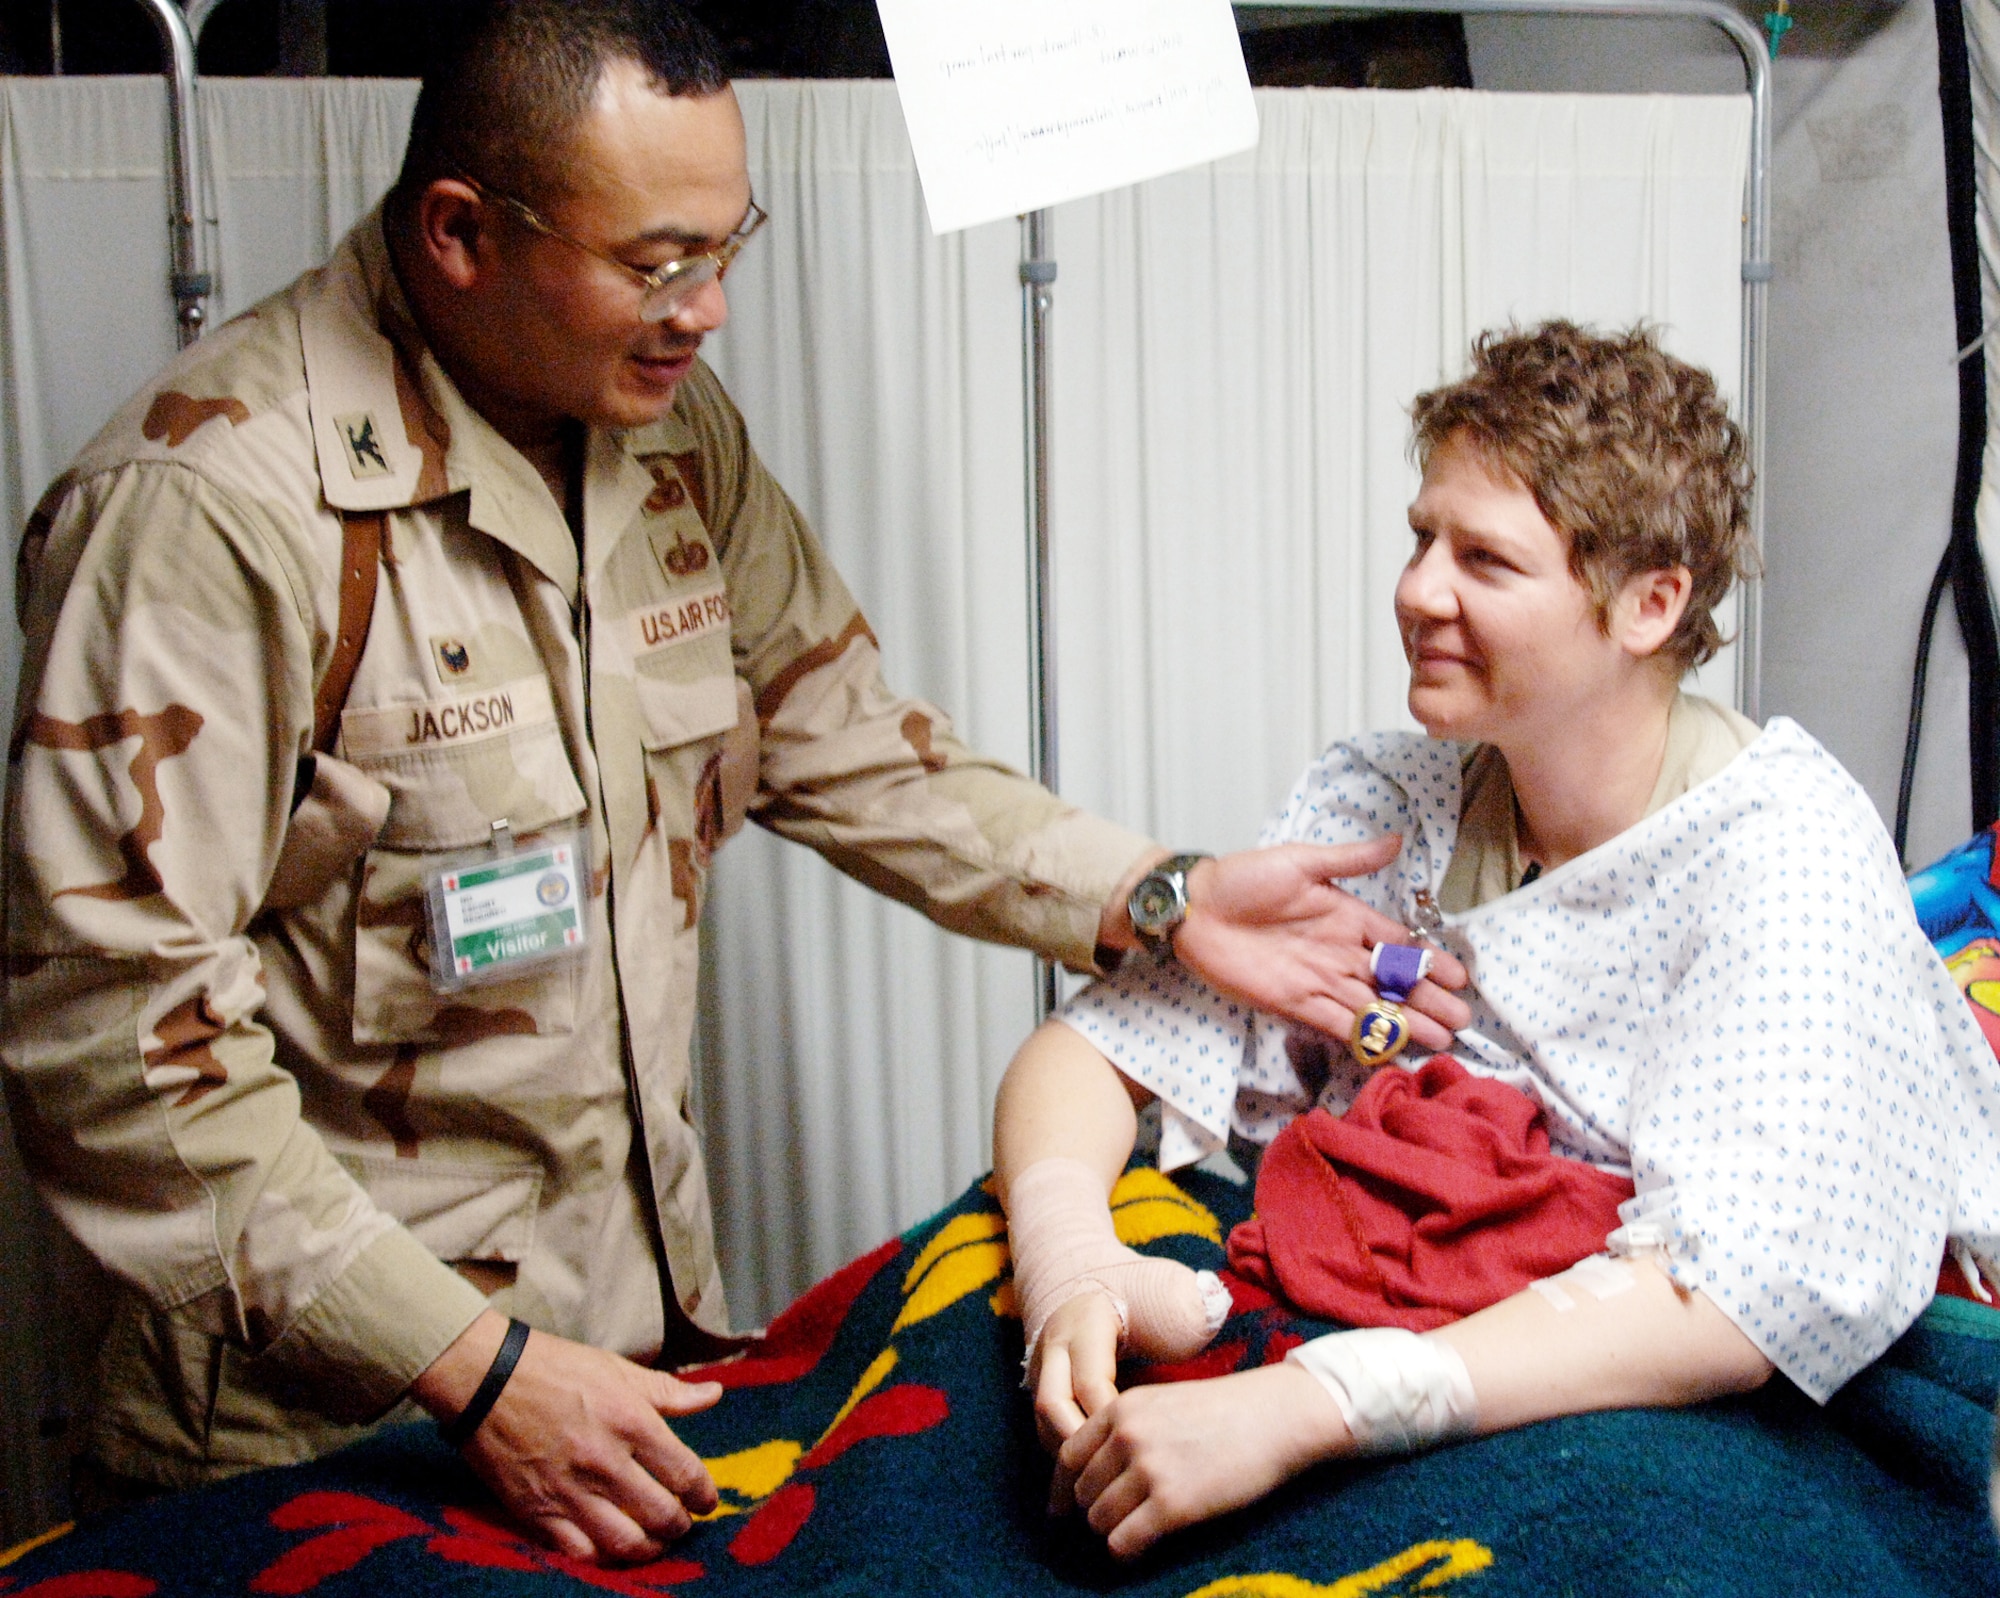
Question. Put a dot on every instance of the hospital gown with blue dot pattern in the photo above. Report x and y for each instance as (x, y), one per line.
(1730, 1002)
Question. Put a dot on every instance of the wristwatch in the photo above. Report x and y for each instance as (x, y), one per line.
(1159, 904)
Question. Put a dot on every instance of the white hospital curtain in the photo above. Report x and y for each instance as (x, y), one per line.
(85, 316)
(850, 1051)
(83, 270)
(296, 164)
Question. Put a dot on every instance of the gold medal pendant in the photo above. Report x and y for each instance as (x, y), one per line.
(1380, 1033)
(1381, 1030)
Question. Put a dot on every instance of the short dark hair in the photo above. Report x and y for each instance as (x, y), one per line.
(1629, 452)
(508, 81)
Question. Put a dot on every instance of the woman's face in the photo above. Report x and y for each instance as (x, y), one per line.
(1503, 643)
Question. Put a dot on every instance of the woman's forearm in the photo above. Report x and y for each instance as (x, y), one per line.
(1063, 1130)
(1629, 1339)
(1165, 1456)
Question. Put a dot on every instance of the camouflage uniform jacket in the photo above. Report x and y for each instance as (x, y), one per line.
(226, 1063)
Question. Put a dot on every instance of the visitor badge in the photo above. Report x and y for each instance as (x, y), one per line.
(499, 913)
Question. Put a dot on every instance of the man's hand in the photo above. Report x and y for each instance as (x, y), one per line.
(1269, 927)
(576, 1447)
(1163, 1457)
(1076, 1367)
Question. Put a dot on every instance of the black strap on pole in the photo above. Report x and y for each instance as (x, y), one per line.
(1962, 569)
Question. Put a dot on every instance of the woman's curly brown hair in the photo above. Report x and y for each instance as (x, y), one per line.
(1629, 452)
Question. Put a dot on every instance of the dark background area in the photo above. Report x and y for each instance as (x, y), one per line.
(766, 38)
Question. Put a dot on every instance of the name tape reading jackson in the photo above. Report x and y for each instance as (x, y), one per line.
(460, 718)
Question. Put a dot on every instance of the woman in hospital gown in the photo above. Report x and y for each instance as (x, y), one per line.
(1690, 942)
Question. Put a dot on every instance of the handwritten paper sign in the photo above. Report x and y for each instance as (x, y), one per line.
(1017, 104)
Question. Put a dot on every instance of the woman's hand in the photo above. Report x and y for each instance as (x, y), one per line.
(1076, 1367)
(1159, 1458)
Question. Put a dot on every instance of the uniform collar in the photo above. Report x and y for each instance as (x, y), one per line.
(391, 429)
(618, 479)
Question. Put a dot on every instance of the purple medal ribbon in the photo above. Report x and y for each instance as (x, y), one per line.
(1398, 968)
(1381, 1031)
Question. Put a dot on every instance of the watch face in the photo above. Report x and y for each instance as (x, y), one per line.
(1155, 903)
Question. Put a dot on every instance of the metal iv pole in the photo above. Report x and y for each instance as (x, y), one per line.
(1038, 276)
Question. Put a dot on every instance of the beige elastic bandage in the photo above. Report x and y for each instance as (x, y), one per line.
(1398, 1392)
(1060, 1228)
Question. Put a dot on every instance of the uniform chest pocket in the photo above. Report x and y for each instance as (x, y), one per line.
(453, 767)
(682, 668)
(702, 784)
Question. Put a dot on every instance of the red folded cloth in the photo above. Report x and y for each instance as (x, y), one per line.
(1434, 1196)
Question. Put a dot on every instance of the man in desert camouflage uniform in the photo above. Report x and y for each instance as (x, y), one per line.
(454, 546)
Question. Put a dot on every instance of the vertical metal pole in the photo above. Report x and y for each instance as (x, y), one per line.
(1038, 276)
(1756, 302)
(190, 284)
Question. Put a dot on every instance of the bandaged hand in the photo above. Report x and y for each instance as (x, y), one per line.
(1074, 1369)
(1085, 1297)
(1065, 1246)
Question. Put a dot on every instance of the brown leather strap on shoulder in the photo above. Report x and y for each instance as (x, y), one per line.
(361, 535)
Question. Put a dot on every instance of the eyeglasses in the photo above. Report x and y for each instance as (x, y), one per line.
(668, 286)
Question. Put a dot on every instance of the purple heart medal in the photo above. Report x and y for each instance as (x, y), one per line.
(1382, 1030)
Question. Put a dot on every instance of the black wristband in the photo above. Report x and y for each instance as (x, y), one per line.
(459, 1432)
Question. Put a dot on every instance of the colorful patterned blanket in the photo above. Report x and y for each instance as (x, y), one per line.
(878, 1443)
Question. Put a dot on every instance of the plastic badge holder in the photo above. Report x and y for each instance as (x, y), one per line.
(496, 914)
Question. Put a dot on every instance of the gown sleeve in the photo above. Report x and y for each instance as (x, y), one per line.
(1792, 1133)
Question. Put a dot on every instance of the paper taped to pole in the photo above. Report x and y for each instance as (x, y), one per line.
(1013, 105)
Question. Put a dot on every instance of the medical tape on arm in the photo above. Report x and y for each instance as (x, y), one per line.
(1398, 1392)
(1064, 1243)
(1607, 1275)
(1600, 1276)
